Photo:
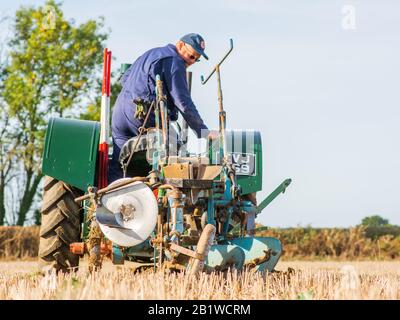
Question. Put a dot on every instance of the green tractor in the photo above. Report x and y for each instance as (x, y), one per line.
(172, 209)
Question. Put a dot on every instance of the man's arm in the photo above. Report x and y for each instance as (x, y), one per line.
(179, 92)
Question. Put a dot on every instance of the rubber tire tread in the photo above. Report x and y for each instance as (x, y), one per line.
(61, 225)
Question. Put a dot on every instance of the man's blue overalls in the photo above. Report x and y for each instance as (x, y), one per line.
(139, 84)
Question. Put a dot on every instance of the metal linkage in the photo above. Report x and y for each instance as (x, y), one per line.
(222, 114)
(219, 63)
(185, 127)
(161, 102)
(176, 204)
(280, 189)
(108, 189)
(257, 261)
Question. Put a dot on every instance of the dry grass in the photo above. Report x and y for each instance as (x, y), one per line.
(19, 242)
(312, 280)
(334, 243)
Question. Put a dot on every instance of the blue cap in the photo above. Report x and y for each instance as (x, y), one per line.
(196, 41)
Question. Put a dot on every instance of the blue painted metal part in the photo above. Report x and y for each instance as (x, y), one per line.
(143, 249)
(228, 185)
(210, 211)
(176, 218)
(155, 160)
(245, 205)
(228, 219)
(117, 256)
(254, 247)
(225, 255)
(241, 251)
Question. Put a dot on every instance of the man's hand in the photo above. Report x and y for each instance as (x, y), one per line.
(213, 135)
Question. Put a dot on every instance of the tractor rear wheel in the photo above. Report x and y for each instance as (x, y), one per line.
(61, 225)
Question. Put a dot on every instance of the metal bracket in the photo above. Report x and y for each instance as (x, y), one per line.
(219, 63)
(280, 189)
(257, 261)
(187, 252)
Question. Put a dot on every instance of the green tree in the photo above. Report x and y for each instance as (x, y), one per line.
(374, 221)
(5, 163)
(53, 67)
(8, 140)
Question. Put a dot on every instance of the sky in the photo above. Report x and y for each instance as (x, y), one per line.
(319, 79)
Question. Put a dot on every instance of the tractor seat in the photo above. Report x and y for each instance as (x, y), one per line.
(129, 145)
(143, 157)
(139, 166)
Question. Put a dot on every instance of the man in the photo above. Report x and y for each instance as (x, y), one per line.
(138, 91)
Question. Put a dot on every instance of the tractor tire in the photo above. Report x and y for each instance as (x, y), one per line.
(61, 226)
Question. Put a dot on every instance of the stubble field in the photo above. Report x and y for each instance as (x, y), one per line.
(310, 280)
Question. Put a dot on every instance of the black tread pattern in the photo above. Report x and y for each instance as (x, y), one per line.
(60, 226)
